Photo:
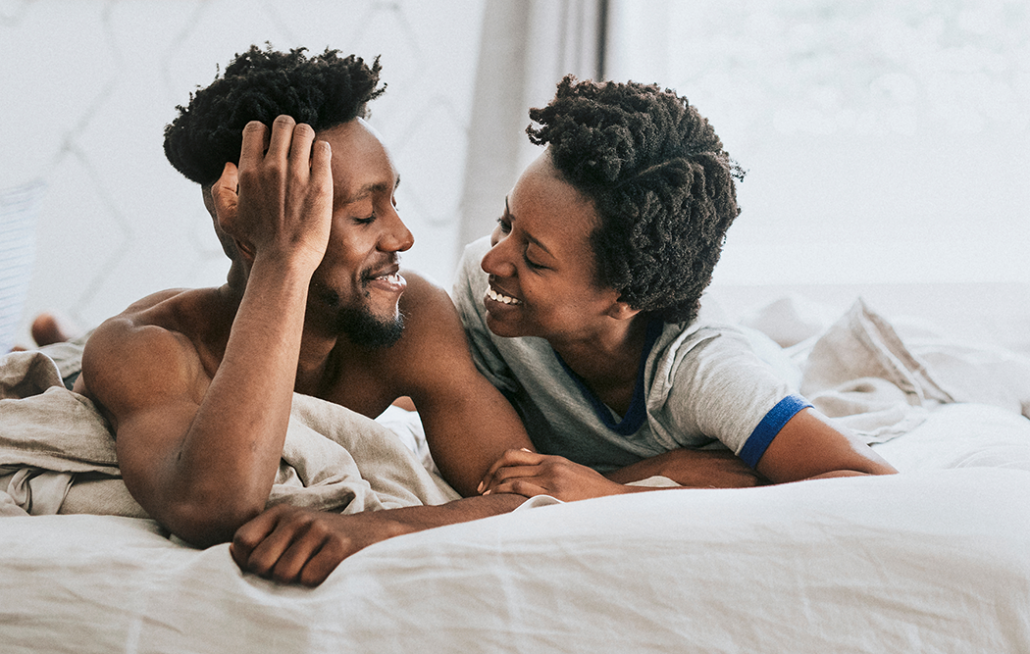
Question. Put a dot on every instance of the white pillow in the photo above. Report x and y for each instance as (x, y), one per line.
(18, 208)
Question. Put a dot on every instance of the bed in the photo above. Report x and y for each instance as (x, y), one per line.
(936, 559)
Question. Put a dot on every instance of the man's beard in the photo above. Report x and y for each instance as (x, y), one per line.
(367, 330)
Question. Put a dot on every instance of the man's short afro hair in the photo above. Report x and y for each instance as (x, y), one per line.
(659, 180)
(322, 90)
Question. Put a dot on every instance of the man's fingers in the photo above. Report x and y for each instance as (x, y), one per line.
(300, 148)
(267, 554)
(301, 548)
(255, 142)
(225, 194)
(321, 168)
(282, 137)
(323, 562)
(249, 536)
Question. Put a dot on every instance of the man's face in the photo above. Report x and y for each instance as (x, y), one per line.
(357, 286)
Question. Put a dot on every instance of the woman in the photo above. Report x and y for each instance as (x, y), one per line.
(582, 308)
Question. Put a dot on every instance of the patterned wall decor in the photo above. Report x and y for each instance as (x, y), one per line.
(88, 86)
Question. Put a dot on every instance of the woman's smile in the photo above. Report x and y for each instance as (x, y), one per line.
(501, 297)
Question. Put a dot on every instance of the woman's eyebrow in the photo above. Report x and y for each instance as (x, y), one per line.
(532, 239)
(529, 237)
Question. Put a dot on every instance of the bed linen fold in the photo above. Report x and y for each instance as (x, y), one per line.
(872, 382)
(57, 454)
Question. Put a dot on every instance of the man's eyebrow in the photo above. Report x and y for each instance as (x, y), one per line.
(369, 189)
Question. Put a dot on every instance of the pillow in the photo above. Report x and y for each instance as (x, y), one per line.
(18, 208)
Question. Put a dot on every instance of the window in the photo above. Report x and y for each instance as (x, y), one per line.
(884, 142)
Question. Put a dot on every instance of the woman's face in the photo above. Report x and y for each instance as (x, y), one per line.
(543, 279)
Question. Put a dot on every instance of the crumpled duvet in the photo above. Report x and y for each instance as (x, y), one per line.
(867, 379)
(57, 454)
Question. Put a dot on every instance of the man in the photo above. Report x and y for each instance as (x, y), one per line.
(197, 384)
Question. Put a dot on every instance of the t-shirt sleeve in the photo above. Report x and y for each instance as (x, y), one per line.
(722, 390)
(469, 289)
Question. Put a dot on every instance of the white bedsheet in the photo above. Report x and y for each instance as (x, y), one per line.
(931, 561)
(936, 559)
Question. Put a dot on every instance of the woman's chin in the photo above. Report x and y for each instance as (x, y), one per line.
(502, 328)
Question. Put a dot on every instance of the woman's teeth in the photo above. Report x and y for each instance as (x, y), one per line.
(497, 297)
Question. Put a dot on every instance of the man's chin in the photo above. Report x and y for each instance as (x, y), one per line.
(370, 331)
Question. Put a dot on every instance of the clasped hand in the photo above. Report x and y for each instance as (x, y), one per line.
(291, 544)
(279, 200)
(529, 474)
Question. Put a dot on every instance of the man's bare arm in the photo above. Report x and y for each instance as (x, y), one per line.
(296, 545)
(468, 422)
(200, 452)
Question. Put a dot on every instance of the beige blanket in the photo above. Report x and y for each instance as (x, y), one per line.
(868, 379)
(57, 454)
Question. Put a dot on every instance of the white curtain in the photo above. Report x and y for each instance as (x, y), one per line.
(884, 141)
(526, 48)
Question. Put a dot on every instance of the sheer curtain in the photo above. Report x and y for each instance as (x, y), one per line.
(884, 142)
(526, 48)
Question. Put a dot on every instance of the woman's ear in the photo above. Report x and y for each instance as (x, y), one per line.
(621, 310)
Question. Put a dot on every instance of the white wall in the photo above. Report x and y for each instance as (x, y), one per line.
(87, 86)
(884, 141)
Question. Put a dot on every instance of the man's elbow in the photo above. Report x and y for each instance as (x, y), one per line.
(208, 522)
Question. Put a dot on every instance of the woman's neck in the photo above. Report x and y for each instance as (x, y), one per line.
(608, 362)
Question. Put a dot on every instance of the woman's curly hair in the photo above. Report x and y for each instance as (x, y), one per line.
(322, 90)
(659, 180)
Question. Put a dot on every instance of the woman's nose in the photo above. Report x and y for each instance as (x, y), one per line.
(497, 261)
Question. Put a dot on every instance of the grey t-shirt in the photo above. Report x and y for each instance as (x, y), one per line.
(700, 385)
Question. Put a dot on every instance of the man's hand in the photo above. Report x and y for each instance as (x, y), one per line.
(296, 545)
(529, 474)
(280, 200)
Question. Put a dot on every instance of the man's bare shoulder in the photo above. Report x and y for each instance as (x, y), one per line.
(433, 345)
(170, 312)
(157, 341)
(423, 295)
(430, 318)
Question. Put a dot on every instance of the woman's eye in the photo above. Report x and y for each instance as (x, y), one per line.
(366, 221)
(529, 262)
(505, 225)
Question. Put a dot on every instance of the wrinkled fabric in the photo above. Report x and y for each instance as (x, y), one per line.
(871, 381)
(57, 454)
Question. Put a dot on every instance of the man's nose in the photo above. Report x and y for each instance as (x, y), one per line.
(397, 237)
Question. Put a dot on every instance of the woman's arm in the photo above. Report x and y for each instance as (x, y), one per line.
(808, 447)
(694, 468)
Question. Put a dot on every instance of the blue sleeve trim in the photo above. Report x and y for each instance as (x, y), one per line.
(759, 440)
